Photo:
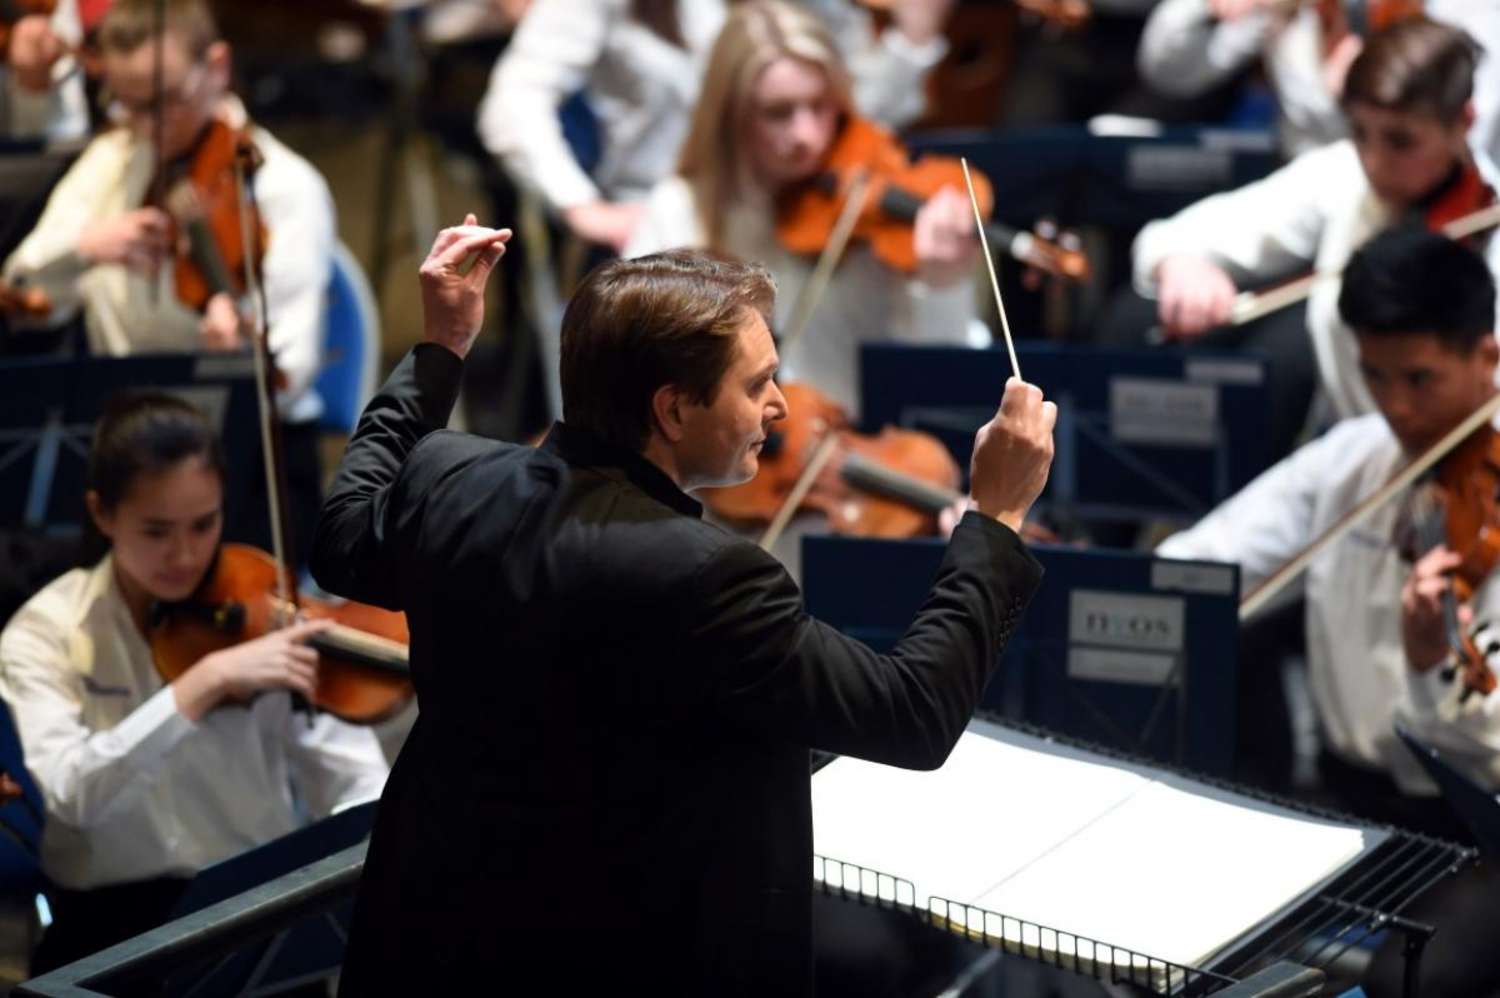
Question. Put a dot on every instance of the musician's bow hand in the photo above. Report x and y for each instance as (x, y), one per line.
(1423, 630)
(453, 278)
(944, 239)
(1013, 455)
(221, 325)
(1193, 296)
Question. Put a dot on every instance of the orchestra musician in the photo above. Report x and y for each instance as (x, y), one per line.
(42, 94)
(1407, 98)
(1306, 48)
(628, 769)
(99, 247)
(1422, 308)
(776, 96)
(144, 781)
(640, 63)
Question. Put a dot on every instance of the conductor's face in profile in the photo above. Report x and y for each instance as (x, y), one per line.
(717, 441)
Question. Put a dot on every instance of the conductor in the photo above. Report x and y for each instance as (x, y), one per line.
(608, 782)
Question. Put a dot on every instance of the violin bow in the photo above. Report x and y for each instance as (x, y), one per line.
(989, 262)
(1251, 305)
(833, 251)
(1273, 584)
(158, 117)
(802, 312)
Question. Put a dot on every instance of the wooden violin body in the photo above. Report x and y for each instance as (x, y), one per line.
(891, 484)
(202, 196)
(896, 188)
(362, 668)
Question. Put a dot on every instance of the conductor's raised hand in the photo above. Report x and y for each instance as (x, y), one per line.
(453, 278)
(1013, 455)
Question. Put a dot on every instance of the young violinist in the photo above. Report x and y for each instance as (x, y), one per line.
(145, 782)
(41, 87)
(1407, 98)
(101, 248)
(776, 97)
(1422, 308)
(1192, 46)
(640, 62)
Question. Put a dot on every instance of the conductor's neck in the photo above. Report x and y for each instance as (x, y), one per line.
(661, 454)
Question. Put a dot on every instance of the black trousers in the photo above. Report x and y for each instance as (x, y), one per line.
(1462, 960)
(85, 922)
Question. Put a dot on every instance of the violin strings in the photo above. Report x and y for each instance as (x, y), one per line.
(989, 262)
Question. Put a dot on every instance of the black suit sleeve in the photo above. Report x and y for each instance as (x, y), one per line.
(768, 664)
(350, 549)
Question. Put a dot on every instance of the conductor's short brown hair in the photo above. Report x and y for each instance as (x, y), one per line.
(636, 325)
(129, 24)
(1415, 65)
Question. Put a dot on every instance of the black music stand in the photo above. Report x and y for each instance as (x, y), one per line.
(1479, 808)
(48, 408)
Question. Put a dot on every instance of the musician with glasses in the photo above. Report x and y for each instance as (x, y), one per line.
(1422, 308)
(99, 248)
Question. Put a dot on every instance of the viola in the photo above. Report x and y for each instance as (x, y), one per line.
(201, 194)
(896, 188)
(889, 485)
(363, 673)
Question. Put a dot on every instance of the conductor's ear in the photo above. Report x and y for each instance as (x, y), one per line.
(667, 405)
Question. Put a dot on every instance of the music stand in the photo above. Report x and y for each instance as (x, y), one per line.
(1479, 808)
(48, 408)
(1141, 434)
(1117, 648)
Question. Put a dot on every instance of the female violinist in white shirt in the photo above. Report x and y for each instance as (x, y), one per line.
(146, 782)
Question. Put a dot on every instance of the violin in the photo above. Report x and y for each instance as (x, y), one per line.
(363, 671)
(887, 485)
(1460, 507)
(201, 194)
(896, 188)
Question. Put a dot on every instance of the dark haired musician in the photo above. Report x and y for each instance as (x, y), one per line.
(607, 787)
(101, 248)
(1422, 308)
(145, 781)
(1305, 49)
(1407, 98)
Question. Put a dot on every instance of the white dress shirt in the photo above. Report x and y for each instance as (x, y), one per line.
(124, 315)
(1186, 51)
(865, 301)
(1312, 213)
(133, 789)
(62, 111)
(643, 90)
(1357, 666)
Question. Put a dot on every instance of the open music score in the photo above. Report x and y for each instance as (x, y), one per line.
(1058, 837)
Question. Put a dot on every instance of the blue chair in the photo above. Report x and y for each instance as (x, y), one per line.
(21, 876)
(351, 344)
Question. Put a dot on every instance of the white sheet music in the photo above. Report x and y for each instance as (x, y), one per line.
(1165, 867)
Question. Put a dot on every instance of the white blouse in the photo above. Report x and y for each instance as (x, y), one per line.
(132, 788)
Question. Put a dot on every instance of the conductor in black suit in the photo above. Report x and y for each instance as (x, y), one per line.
(607, 787)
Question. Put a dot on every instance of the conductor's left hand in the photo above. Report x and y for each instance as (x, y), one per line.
(453, 278)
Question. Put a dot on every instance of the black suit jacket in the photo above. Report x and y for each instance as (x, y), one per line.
(608, 783)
